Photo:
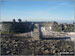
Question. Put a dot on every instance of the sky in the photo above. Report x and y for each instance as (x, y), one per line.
(39, 10)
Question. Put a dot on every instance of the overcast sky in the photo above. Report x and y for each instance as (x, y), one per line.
(49, 10)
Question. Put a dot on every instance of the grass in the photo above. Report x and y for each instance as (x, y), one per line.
(6, 32)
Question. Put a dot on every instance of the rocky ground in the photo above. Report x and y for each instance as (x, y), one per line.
(13, 45)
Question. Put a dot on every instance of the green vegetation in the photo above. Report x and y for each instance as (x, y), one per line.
(6, 32)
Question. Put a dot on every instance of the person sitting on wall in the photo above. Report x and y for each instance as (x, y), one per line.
(19, 20)
(14, 20)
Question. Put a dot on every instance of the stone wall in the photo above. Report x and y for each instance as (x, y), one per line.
(59, 27)
(20, 27)
(17, 27)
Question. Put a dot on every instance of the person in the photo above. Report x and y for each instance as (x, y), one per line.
(19, 20)
(14, 20)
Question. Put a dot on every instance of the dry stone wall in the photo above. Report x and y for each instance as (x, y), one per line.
(16, 27)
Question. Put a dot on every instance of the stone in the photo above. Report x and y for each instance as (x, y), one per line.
(8, 52)
(46, 52)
